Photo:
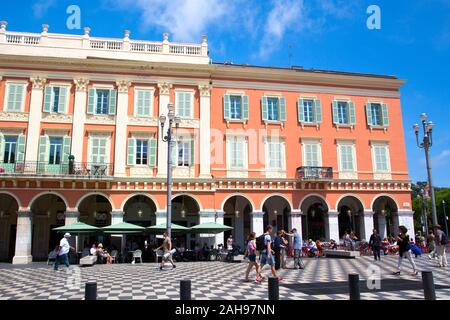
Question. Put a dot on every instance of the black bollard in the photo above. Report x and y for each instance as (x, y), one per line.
(90, 292)
(353, 282)
(274, 290)
(185, 290)
(428, 285)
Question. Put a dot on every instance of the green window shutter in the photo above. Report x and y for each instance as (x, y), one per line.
(226, 107)
(245, 114)
(335, 112)
(369, 113)
(147, 101)
(112, 101)
(192, 152)
(265, 115)
(131, 151)
(384, 112)
(91, 101)
(66, 149)
(62, 104)
(2, 147)
(351, 112)
(21, 148)
(152, 152)
(300, 113)
(44, 142)
(318, 110)
(282, 102)
(48, 99)
(11, 95)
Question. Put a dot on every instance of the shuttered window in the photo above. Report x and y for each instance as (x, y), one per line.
(9, 152)
(311, 155)
(98, 150)
(235, 107)
(143, 105)
(381, 158)
(102, 100)
(55, 150)
(184, 104)
(237, 155)
(347, 160)
(15, 97)
(141, 152)
(275, 156)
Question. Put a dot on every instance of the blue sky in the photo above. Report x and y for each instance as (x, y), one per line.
(413, 43)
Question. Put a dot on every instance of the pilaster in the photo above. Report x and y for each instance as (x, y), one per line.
(164, 99)
(34, 119)
(23, 238)
(205, 130)
(79, 118)
(121, 128)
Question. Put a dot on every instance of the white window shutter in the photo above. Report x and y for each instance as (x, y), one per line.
(318, 111)
(91, 101)
(62, 105)
(369, 113)
(351, 113)
(112, 102)
(264, 111)
(245, 112)
(300, 110)
(226, 107)
(335, 112)
(131, 152)
(2, 147)
(66, 149)
(192, 152)
(152, 152)
(48, 99)
(282, 102)
(384, 112)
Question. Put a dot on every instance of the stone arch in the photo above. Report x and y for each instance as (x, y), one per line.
(267, 197)
(350, 209)
(30, 204)
(197, 200)
(93, 194)
(237, 194)
(122, 206)
(19, 203)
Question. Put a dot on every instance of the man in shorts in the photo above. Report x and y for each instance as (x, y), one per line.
(267, 256)
(167, 248)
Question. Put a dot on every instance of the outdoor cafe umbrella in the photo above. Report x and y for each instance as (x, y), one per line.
(78, 228)
(210, 228)
(160, 228)
(123, 228)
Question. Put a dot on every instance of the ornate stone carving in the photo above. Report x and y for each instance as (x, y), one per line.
(123, 85)
(276, 174)
(81, 84)
(184, 172)
(141, 171)
(190, 123)
(164, 88)
(100, 119)
(38, 82)
(14, 116)
(143, 121)
(237, 173)
(57, 117)
(348, 175)
(205, 90)
(382, 176)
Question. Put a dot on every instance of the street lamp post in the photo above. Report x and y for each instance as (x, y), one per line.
(445, 218)
(424, 211)
(169, 138)
(426, 144)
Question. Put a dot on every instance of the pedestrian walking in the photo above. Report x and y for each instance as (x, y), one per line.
(279, 244)
(63, 252)
(267, 256)
(431, 242)
(251, 255)
(375, 245)
(168, 252)
(441, 241)
(404, 248)
(298, 244)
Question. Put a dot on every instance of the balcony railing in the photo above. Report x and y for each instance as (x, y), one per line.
(315, 173)
(72, 169)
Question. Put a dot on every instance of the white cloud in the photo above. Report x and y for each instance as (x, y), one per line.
(41, 7)
(441, 158)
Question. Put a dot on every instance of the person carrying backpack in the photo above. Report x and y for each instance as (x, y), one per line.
(267, 255)
(441, 241)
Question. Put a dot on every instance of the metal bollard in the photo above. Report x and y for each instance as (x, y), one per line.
(353, 282)
(185, 290)
(428, 285)
(274, 290)
(90, 292)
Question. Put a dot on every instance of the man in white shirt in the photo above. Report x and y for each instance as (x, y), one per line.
(63, 254)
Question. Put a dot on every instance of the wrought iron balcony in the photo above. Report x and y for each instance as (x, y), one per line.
(85, 170)
(315, 173)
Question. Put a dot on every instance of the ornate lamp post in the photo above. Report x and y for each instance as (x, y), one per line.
(426, 144)
(169, 138)
(424, 210)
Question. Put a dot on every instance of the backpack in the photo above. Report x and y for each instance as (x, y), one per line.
(444, 239)
(260, 242)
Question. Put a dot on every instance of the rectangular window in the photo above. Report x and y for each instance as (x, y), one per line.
(184, 153)
(274, 149)
(142, 152)
(342, 109)
(9, 155)
(55, 153)
(272, 109)
(347, 163)
(184, 104)
(102, 105)
(55, 104)
(15, 97)
(308, 111)
(143, 102)
(381, 160)
(237, 153)
(375, 110)
(235, 107)
(98, 152)
(311, 155)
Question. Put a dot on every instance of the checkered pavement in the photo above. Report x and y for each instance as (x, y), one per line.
(210, 280)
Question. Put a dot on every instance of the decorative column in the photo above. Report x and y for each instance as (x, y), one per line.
(164, 99)
(367, 227)
(23, 238)
(257, 222)
(220, 236)
(382, 225)
(205, 130)
(206, 217)
(332, 226)
(121, 128)
(79, 118)
(34, 118)
(406, 218)
(295, 218)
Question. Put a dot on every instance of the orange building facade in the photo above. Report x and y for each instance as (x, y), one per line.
(80, 140)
